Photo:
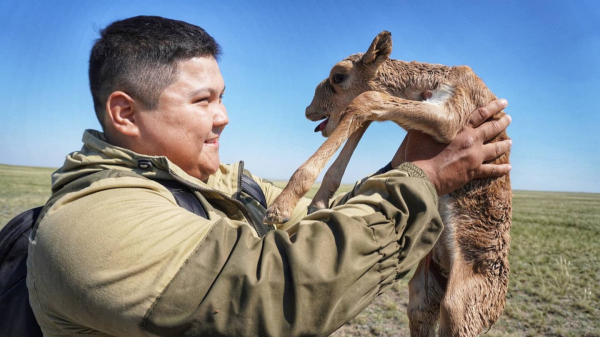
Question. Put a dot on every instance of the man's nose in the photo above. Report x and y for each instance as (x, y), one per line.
(220, 117)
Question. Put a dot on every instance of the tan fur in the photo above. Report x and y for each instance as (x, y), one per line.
(463, 283)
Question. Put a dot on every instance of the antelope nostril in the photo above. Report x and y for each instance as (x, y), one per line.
(311, 114)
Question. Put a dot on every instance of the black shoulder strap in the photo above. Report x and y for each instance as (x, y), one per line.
(184, 197)
(16, 316)
(16, 227)
(253, 189)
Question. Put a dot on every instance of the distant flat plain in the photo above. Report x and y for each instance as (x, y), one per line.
(554, 285)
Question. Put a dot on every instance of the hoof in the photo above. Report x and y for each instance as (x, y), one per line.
(275, 221)
(274, 217)
(312, 209)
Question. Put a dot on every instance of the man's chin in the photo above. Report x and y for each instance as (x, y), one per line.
(210, 169)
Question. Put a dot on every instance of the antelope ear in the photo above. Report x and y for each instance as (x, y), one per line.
(379, 50)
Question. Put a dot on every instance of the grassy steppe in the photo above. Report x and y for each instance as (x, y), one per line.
(22, 188)
(555, 262)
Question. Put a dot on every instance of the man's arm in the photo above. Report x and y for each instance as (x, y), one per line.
(336, 263)
(167, 271)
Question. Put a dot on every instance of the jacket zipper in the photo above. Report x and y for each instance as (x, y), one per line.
(239, 205)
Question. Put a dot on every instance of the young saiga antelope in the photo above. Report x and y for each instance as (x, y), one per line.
(462, 282)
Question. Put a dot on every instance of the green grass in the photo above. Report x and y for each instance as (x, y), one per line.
(22, 188)
(555, 262)
(555, 266)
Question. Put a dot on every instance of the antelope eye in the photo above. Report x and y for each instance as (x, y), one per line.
(338, 78)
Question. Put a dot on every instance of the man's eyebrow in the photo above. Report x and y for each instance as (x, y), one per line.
(199, 91)
(203, 91)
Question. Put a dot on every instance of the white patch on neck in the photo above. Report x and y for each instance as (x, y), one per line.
(441, 95)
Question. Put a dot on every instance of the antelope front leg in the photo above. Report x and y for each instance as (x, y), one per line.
(333, 177)
(305, 176)
(440, 119)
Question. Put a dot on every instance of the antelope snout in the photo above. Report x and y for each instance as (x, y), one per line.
(312, 113)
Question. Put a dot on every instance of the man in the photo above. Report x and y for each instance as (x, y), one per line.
(115, 255)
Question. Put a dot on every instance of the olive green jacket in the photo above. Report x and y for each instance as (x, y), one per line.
(113, 253)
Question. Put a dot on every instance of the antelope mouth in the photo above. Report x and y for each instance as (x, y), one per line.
(322, 125)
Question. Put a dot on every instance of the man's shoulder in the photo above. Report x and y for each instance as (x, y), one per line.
(227, 178)
(111, 237)
(91, 203)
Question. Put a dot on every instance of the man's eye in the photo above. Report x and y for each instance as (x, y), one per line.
(201, 100)
(338, 78)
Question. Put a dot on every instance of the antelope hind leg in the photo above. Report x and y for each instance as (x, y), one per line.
(473, 301)
(425, 295)
(459, 308)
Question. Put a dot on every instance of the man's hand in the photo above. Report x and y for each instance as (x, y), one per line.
(450, 166)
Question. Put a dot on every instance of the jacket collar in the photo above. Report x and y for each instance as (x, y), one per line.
(97, 154)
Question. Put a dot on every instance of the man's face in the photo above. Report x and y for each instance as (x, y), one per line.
(189, 119)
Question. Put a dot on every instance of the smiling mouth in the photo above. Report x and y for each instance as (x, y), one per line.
(212, 141)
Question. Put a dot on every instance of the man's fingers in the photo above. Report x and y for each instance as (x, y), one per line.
(482, 114)
(491, 128)
(495, 150)
(492, 170)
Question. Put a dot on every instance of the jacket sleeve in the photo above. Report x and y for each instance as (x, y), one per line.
(408, 168)
(167, 272)
(336, 262)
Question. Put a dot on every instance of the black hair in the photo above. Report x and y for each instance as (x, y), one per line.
(139, 56)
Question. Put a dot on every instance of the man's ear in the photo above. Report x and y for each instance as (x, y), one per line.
(122, 111)
(379, 50)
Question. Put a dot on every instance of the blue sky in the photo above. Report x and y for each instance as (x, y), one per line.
(543, 56)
